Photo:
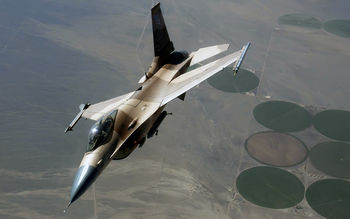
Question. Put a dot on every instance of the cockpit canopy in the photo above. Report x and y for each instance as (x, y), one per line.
(101, 132)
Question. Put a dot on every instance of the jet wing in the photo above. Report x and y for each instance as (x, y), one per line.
(192, 78)
(97, 110)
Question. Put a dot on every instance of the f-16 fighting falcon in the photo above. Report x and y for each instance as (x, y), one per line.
(125, 122)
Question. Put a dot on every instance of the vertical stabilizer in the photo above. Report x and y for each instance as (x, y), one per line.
(161, 41)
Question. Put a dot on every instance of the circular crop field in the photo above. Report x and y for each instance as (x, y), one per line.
(300, 20)
(334, 124)
(330, 198)
(332, 158)
(338, 27)
(226, 81)
(276, 149)
(270, 187)
(282, 116)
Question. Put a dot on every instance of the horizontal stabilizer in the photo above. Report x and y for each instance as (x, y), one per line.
(207, 52)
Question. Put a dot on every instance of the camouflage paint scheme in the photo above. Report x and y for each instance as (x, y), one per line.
(125, 122)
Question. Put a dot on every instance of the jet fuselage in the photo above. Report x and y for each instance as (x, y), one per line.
(116, 135)
(124, 122)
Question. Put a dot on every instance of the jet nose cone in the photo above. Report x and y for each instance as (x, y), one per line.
(84, 177)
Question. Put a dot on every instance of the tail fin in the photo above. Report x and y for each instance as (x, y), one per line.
(161, 41)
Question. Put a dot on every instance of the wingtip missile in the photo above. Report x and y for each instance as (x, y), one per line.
(239, 61)
(82, 108)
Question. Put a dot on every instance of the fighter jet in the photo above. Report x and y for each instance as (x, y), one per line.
(125, 122)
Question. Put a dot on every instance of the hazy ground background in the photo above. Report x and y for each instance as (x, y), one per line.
(55, 55)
